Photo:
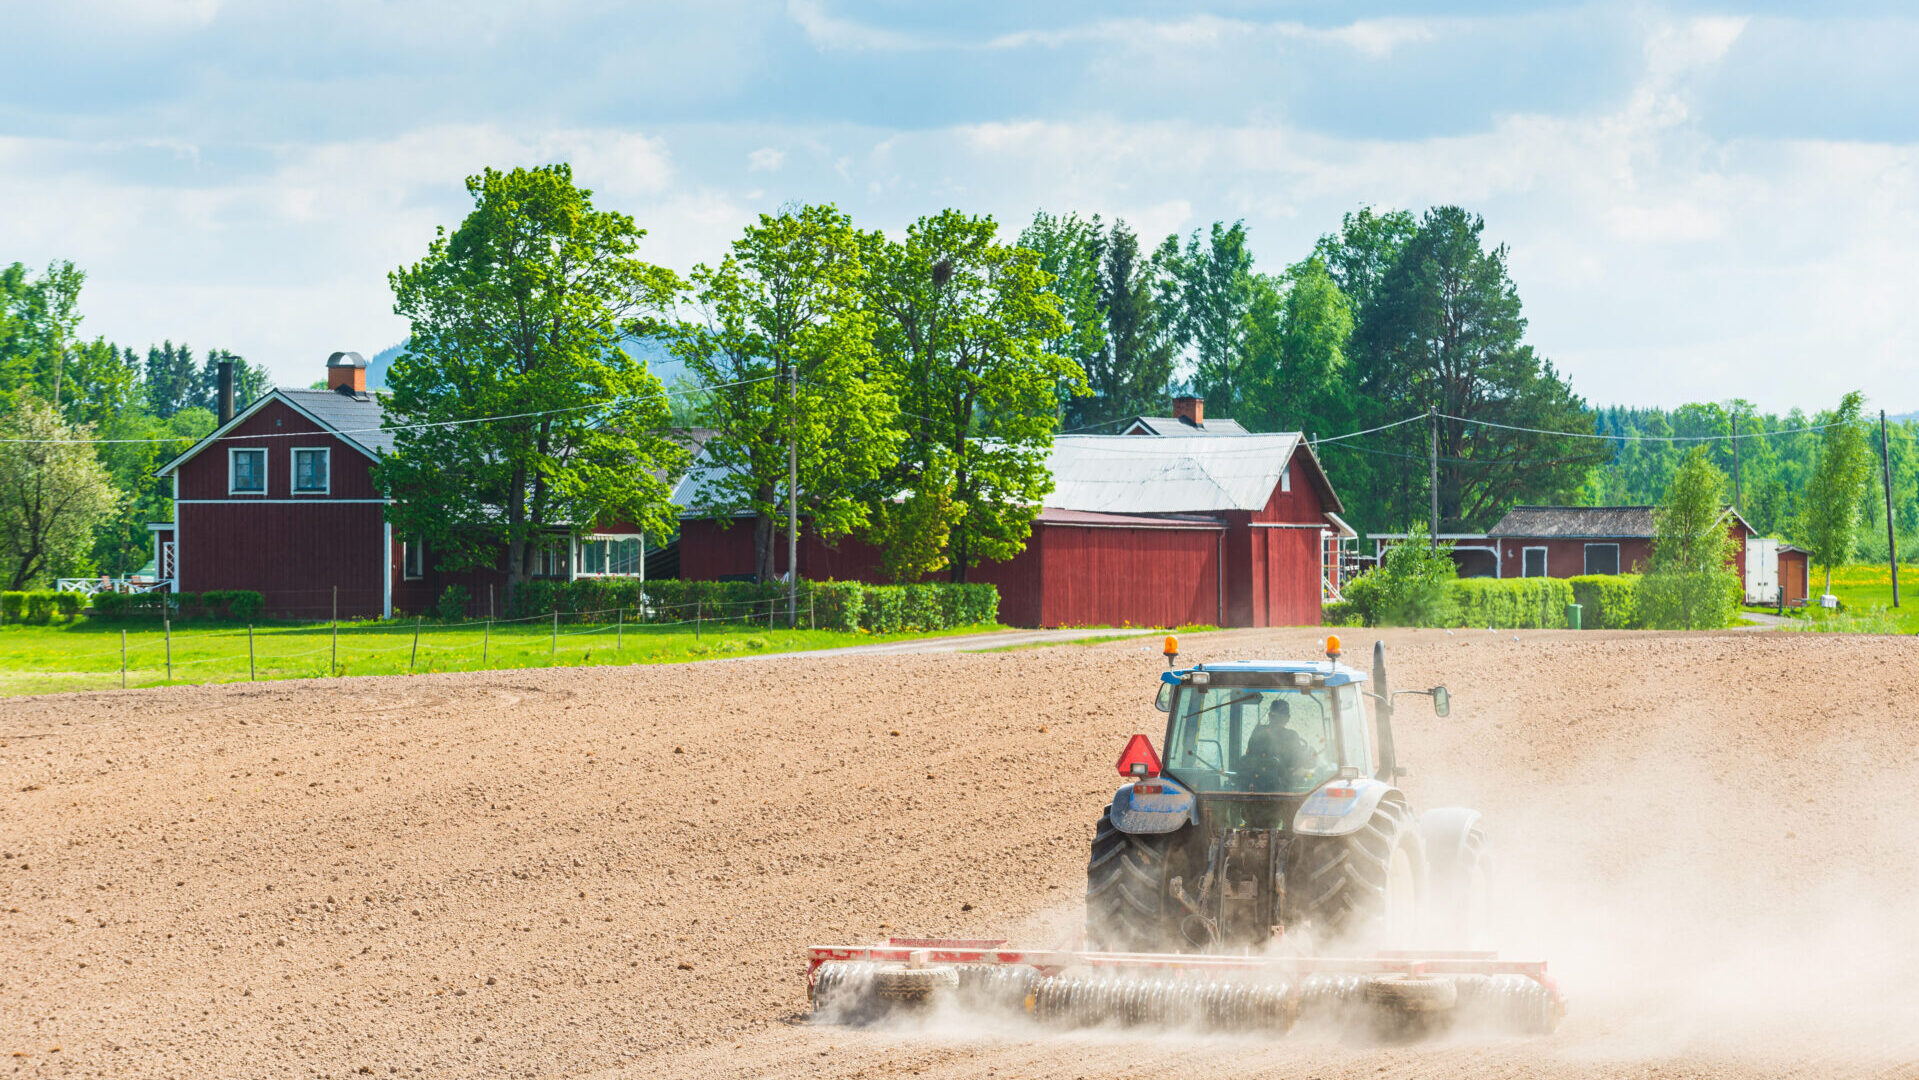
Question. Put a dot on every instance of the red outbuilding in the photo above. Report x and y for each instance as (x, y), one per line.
(1139, 530)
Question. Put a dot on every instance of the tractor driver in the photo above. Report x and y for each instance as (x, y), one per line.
(1275, 757)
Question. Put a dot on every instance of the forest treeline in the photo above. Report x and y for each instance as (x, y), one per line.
(924, 374)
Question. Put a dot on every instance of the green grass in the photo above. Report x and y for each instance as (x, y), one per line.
(1866, 591)
(86, 655)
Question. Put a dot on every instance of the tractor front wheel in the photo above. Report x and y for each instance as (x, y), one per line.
(1126, 903)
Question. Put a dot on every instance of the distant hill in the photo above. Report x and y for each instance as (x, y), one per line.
(658, 361)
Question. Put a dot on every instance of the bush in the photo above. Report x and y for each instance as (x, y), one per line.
(40, 607)
(1696, 601)
(1608, 601)
(1340, 613)
(828, 605)
(69, 604)
(13, 606)
(453, 603)
(1512, 603)
(245, 603)
(1409, 587)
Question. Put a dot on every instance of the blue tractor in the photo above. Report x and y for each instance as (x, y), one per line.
(1277, 809)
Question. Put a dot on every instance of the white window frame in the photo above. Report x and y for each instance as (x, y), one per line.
(579, 554)
(411, 550)
(1286, 478)
(1587, 568)
(233, 472)
(293, 471)
(1545, 561)
(543, 565)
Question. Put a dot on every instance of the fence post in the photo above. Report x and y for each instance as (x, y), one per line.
(486, 636)
(812, 618)
(555, 649)
(619, 630)
(410, 657)
(699, 609)
(772, 608)
(123, 659)
(251, 676)
(333, 662)
(489, 604)
(166, 624)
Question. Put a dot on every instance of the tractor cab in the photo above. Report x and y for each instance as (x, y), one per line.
(1264, 728)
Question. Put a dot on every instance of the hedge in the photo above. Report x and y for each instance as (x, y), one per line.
(1512, 603)
(13, 606)
(38, 606)
(212, 604)
(1607, 601)
(829, 605)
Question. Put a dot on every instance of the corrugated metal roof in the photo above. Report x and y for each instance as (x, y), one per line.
(1134, 474)
(1569, 522)
(354, 417)
(1173, 425)
(1129, 474)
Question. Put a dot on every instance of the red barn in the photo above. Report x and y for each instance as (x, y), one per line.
(1140, 529)
(281, 499)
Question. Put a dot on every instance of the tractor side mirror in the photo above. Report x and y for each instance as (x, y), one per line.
(1442, 702)
(1164, 702)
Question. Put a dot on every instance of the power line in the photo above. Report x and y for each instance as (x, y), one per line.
(377, 430)
(1638, 438)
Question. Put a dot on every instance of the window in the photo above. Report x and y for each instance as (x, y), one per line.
(549, 559)
(246, 472)
(413, 559)
(1602, 558)
(613, 556)
(1254, 738)
(1286, 477)
(310, 471)
(1532, 562)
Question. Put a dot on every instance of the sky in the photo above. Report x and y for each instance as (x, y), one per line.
(1701, 201)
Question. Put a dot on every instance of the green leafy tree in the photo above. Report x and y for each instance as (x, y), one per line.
(1069, 249)
(1688, 585)
(1215, 294)
(521, 313)
(1129, 374)
(1409, 587)
(964, 322)
(171, 379)
(785, 350)
(53, 493)
(38, 319)
(250, 381)
(1366, 247)
(1300, 326)
(1830, 518)
(1443, 330)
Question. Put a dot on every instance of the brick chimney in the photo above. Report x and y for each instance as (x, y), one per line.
(1190, 410)
(346, 372)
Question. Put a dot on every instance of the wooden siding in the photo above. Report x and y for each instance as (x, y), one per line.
(1567, 558)
(1795, 574)
(1128, 576)
(278, 429)
(294, 554)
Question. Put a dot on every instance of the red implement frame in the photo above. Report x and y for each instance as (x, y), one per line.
(919, 951)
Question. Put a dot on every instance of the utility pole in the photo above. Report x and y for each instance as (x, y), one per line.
(1735, 457)
(792, 499)
(1432, 479)
(1892, 539)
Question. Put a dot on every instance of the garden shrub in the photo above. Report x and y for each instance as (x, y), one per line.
(453, 603)
(1607, 601)
(1512, 603)
(40, 604)
(828, 605)
(1409, 587)
(13, 606)
(69, 604)
(1340, 613)
(1689, 601)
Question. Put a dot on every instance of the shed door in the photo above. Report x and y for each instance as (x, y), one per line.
(1533, 562)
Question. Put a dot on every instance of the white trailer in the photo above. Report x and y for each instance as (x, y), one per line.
(1762, 570)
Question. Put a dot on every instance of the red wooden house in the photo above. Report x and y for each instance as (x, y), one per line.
(281, 499)
(1140, 529)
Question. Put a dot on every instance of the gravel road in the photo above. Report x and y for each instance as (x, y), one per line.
(610, 872)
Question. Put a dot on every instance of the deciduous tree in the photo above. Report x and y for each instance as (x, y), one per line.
(53, 493)
(1829, 520)
(1688, 586)
(519, 315)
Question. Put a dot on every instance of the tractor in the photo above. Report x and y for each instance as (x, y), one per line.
(1276, 810)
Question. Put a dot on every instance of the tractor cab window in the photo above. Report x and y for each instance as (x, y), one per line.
(1282, 740)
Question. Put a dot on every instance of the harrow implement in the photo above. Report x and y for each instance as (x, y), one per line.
(1400, 994)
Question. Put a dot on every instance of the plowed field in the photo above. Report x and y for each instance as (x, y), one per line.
(611, 872)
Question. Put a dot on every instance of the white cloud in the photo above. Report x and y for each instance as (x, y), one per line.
(846, 35)
(765, 159)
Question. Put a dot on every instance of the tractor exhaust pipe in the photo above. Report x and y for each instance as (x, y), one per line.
(1383, 716)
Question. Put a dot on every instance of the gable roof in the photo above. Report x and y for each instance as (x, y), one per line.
(1128, 474)
(354, 418)
(1173, 425)
(1585, 522)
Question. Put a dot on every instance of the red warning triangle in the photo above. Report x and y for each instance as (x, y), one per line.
(1139, 749)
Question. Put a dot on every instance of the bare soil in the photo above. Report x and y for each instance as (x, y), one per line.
(611, 872)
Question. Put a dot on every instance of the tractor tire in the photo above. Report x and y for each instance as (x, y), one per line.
(1126, 903)
(1363, 890)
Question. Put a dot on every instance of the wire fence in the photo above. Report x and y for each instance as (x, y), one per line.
(156, 651)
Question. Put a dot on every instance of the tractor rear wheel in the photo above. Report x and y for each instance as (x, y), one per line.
(1363, 890)
(1126, 907)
